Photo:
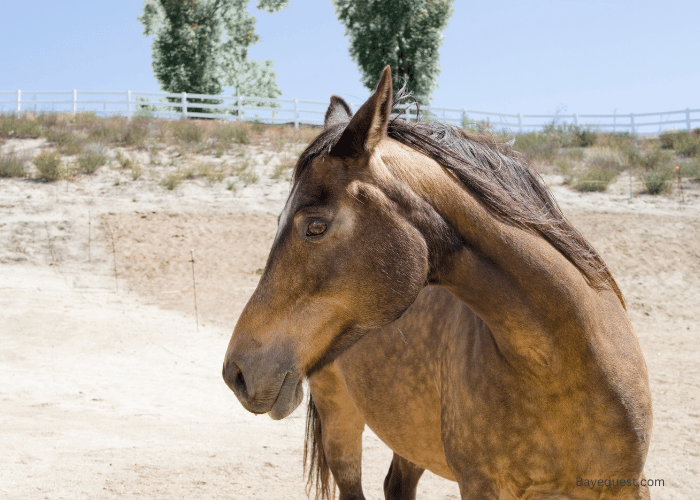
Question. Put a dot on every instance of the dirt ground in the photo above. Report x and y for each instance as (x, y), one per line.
(110, 389)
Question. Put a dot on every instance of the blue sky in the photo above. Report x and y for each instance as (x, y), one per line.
(527, 56)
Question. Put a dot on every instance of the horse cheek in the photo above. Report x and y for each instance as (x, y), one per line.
(399, 275)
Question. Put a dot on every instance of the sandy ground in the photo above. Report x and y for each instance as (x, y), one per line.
(111, 390)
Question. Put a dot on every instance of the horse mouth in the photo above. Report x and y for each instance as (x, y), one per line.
(289, 397)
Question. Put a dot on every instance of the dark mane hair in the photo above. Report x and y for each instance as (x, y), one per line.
(500, 177)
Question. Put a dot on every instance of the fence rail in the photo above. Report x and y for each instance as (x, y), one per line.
(296, 111)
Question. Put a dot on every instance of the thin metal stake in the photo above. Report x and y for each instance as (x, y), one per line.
(630, 184)
(89, 237)
(194, 288)
(114, 256)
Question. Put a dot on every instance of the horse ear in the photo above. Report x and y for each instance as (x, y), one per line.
(338, 112)
(369, 124)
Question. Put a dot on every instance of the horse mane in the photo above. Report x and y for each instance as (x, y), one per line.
(498, 176)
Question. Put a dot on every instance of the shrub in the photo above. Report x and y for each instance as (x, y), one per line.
(667, 139)
(595, 179)
(620, 141)
(171, 182)
(91, 160)
(67, 142)
(10, 126)
(684, 142)
(565, 169)
(536, 146)
(136, 133)
(49, 166)
(569, 135)
(655, 159)
(580, 137)
(658, 181)
(576, 154)
(692, 170)
(228, 133)
(187, 131)
(123, 161)
(688, 144)
(606, 161)
(136, 172)
(11, 166)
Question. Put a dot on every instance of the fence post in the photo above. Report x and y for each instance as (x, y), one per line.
(128, 104)
(634, 132)
(576, 119)
(75, 101)
(296, 114)
(520, 123)
(687, 118)
(184, 105)
(615, 121)
(19, 99)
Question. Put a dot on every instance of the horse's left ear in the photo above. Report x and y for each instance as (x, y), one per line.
(369, 124)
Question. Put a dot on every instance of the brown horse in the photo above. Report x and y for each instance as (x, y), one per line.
(551, 388)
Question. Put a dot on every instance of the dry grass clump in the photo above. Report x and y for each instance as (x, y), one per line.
(49, 166)
(594, 179)
(12, 166)
(657, 171)
(91, 159)
(599, 171)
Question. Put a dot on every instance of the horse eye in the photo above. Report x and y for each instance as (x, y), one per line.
(316, 228)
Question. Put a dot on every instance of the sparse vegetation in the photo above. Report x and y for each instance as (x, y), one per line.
(187, 150)
(123, 161)
(248, 178)
(10, 126)
(282, 171)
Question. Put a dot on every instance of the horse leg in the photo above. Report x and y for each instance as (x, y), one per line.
(402, 479)
(334, 431)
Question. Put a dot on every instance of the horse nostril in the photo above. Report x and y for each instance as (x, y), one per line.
(233, 376)
(240, 386)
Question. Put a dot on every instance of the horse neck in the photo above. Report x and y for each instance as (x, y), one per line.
(538, 305)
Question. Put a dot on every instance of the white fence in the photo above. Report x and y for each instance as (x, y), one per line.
(164, 105)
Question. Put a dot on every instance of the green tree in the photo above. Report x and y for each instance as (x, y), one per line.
(201, 46)
(405, 34)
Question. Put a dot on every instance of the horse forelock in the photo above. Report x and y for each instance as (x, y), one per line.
(498, 176)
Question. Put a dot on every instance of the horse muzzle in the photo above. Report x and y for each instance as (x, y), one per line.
(276, 390)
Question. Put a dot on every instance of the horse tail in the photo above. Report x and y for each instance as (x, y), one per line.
(318, 472)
